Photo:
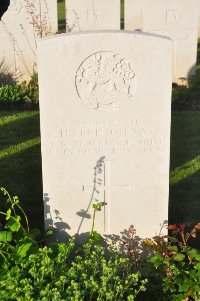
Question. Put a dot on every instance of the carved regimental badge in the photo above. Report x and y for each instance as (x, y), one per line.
(105, 81)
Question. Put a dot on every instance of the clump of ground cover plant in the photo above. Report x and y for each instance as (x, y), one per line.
(32, 270)
(173, 266)
(187, 97)
(25, 93)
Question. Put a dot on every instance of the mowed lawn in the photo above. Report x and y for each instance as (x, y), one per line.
(21, 173)
(185, 167)
(20, 161)
(61, 16)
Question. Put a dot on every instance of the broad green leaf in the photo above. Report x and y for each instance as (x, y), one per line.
(13, 225)
(156, 260)
(96, 236)
(179, 257)
(5, 236)
(172, 248)
(192, 253)
(49, 232)
(197, 266)
(184, 287)
(23, 249)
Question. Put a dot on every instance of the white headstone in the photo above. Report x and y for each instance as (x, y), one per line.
(93, 14)
(105, 103)
(20, 26)
(177, 19)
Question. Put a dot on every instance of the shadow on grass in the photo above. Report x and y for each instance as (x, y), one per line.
(20, 169)
(184, 205)
(16, 129)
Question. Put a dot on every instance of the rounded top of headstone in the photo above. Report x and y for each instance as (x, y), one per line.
(15, 6)
(3, 7)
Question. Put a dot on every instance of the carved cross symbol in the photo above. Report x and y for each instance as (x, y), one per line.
(103, 185)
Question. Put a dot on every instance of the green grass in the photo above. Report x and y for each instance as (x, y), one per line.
(61, 16)
(184, 203)
(21, 174)
(20, 161)
(122, 14)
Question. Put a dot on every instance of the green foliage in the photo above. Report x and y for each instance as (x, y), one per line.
(61, 16)
(60, 271)
(6, 77)
(20, 93)
(176, 266)
(66, 272)
(94, 235)
(187, 98)
(29, 270)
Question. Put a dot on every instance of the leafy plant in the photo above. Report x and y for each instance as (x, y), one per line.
(6, 77)
(20, 93)
(176, 266)
(60, 271)
(94, 235)
(187, 98)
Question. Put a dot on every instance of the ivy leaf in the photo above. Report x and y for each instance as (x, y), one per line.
(179, 257)
(5, 236)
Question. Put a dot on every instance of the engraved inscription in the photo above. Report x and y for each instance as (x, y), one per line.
(171, 16)
(15, 7)
(104, 138)
(105, 81)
